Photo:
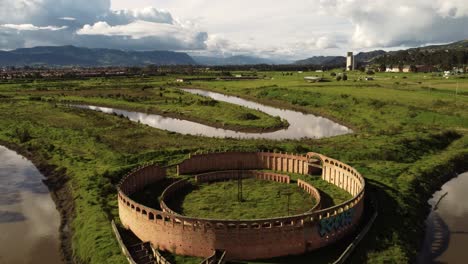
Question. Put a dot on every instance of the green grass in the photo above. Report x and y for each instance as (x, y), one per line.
(160, 100)
(410, 134)
(261, 199)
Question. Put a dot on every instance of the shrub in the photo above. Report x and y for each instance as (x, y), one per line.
(209, 102)
(23, 134)
(338, 78)
(248, 116)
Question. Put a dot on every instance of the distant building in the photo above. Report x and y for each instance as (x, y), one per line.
(350, 63)
(393, 69)
(424, 68)
(458, 70)
(406, 68)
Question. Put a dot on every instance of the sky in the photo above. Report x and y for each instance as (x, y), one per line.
(275, 29)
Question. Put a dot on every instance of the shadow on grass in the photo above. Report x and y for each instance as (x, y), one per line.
(150, 195)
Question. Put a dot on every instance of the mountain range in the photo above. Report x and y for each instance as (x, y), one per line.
(75, 56)
(340, 61)
(448, 54)
(233, 60)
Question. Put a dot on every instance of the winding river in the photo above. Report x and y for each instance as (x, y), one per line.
(447, 225)
(301, 125)
(29, 221)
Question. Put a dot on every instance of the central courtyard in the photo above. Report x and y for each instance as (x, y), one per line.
(261, 199)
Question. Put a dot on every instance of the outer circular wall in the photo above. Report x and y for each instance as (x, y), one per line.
(253, 239)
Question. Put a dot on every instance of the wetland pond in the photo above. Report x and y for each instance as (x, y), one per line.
(301, 125)
(29, 221)
(446, 237)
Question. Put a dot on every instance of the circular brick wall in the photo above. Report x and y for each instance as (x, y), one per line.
(251, 239)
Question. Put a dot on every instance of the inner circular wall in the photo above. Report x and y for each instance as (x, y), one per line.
(175, 188)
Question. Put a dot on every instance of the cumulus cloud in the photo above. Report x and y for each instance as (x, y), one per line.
(21, 27)
(452, 8)
(389, 23)
(138, 29)
(302, 28)
(149, 14)
(78, 22)
(135, 32)
(49, 12)
(220, 46)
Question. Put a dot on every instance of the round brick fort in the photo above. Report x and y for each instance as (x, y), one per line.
(244, 239)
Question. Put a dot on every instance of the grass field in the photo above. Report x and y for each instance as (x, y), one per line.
(150, 97)
(261, 199)
(411, 134)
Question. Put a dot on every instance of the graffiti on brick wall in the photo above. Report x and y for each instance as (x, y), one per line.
(335, 223)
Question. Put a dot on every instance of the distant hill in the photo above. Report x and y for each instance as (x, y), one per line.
(461, 45)
(340, 61)
(365, 57)
(234, 60)
(75, 56)
(447, 55)
(323, 61)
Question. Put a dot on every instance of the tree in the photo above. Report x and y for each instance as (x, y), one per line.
(382, 67)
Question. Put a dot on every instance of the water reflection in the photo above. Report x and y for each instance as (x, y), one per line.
(301, 125)
(447, 225)
(29, 222)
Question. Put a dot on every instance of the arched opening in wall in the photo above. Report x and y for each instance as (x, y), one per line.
(277, 224)
(315, 165)
(243, 226)
(144, 212)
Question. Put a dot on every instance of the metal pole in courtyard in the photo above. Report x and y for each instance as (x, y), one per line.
(239, 182)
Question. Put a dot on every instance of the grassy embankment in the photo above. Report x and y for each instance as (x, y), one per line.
(151, 97)
(411, 134)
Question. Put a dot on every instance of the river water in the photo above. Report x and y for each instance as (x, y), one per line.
(446, 238)
(29, 221)
(301, 125)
